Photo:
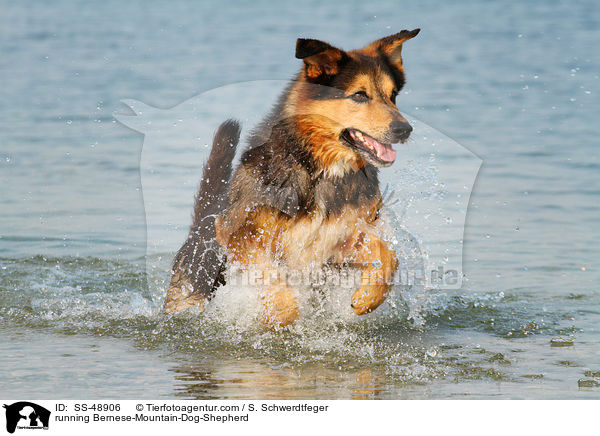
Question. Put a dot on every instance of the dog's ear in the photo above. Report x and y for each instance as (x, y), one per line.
(391, 46)
(320, 58)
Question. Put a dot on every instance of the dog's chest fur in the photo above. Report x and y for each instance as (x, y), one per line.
(331, 195)
(334, 210)
(318, 211)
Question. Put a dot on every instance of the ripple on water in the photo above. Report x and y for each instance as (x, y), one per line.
(92, 296)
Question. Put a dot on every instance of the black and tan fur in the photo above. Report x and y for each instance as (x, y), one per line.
(306, 191)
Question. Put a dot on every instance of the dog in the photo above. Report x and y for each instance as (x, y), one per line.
(306, 192)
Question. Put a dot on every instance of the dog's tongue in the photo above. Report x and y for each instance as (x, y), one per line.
(385, 153)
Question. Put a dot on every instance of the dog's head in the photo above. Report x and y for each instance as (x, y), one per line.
(345, 102)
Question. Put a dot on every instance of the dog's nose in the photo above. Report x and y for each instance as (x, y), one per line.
(400, 129)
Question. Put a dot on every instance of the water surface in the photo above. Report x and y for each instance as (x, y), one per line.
(516, 84)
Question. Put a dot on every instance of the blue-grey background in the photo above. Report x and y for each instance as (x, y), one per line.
(517, 83)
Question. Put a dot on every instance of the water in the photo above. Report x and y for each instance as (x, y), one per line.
(79, 313)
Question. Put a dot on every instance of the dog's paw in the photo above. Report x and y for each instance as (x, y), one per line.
(368, 298)
(179, 299)
(281, 308)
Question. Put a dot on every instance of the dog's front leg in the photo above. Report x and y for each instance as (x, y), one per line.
(279, 300)
(378, 263)
(281, 307)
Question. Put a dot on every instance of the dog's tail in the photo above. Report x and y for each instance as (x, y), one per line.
(197, 267)
(210, 198)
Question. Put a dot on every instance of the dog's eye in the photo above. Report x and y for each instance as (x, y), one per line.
(393, 96)
(360, 97)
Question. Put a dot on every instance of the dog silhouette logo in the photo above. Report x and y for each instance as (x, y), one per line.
(26, 415)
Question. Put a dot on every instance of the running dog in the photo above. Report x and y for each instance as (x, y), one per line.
(306, 191)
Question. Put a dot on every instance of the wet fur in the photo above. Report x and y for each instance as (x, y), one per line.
(198, 266)
(300, 196)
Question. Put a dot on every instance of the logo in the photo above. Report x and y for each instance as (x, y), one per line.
(26, 415)
(426, 193)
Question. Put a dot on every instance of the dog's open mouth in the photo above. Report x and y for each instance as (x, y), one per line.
(381, 153)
